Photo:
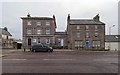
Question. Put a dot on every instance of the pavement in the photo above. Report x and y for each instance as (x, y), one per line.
(5, 52)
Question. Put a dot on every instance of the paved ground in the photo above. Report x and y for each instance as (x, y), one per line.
(60, 61)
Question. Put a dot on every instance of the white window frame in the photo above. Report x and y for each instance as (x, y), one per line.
(29, 31)
(29, 22)
(96, 27)
(79, 44)
(47, 41)
(95, 43)
(87, 27)
(48, 31)
(38, 31)
(47, 23)
(87, 34)
(38, 23)
(96, 34)
(34, 40)
(78, 34)
(78, 27)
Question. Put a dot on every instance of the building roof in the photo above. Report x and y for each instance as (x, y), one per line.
(40, 18)
(85, 21)
(4, 32)
(60, 33)
(112, 38)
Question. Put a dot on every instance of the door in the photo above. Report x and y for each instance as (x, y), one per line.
(87, 44)
(29, 41)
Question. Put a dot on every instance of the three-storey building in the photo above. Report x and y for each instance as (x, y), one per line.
(86, 33)
(38, 30)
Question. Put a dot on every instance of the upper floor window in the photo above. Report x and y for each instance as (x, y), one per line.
(96, 34)
(96, 27)
(28, 31)
(87, 27)
(78, 27)
(38, 31)
(29, 23)
(48, 31)
(78, 34)
(87, 34)
(47, 23)
(38, 23)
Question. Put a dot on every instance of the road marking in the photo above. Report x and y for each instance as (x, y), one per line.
(14, 59)
(60, 59)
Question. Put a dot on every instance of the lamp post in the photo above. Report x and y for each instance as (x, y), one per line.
(110, 34)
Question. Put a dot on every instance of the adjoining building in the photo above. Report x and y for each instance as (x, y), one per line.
(112, 42)
(80, 33)
(7, 40)
(86, 33)
(60, 40)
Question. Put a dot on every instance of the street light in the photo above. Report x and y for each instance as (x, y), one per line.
(110, 34)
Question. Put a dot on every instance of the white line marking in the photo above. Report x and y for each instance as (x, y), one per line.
(14, 59)
(59, 59)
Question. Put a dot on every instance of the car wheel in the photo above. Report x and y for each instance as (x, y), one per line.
(49, 51)
(34, 51)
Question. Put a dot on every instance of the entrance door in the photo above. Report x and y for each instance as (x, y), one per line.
(29, 41)
(87, 44)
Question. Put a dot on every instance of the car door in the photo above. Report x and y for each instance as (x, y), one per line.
(44, 48)
(40, 47)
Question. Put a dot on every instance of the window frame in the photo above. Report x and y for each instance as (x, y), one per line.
(47, 23)
(39, 31)
(39, 23)
(47, 31)
(78, 34)
(29, 31)
(29, 22)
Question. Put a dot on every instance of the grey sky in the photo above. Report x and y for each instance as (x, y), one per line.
(83, 9)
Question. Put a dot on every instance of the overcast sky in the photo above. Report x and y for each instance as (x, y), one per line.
(82, 9)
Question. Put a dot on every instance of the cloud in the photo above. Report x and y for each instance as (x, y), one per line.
(12, 11)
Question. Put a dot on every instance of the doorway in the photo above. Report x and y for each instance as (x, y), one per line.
(87, 44)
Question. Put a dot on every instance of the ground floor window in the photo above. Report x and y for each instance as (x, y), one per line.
(39, 40)
(96, 43)
(34, 40)
(47, 41)
(78, 44)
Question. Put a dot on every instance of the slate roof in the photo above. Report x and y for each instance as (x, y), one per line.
(41, 18)
(112, 38)
(4, 32)
(85, 21)
(60, 33)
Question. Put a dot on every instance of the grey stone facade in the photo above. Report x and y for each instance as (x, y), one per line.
(38, 30)
(86, 33)
(80, 33)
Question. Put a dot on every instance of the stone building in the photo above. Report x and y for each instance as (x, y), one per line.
(60, 40)
(38, 30)
(86, 33)
(80, 33)
(7, 40)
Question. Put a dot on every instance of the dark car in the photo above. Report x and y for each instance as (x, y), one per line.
(41, 47)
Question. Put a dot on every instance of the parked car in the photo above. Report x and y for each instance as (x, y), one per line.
(41, 47)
